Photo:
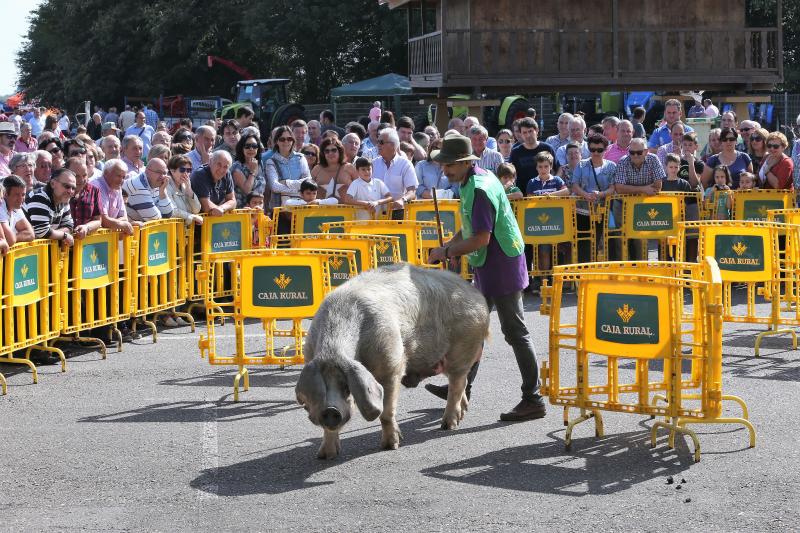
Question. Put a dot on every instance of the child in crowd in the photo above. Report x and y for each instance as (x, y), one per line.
(672, 166)
(375, 112)
(507, 175)
(747, 181)
(366, 191)
(545, 184)
(721, 193)
(255, 201)
(308, 196)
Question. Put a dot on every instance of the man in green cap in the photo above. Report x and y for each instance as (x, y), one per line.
(492, 242)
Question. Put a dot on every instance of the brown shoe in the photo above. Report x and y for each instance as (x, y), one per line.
(525, 410)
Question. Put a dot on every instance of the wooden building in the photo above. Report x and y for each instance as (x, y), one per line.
(589, 45)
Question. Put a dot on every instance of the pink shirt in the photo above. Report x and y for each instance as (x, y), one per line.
(112, 204)
(22, 146)
(4, 160)
(614, 153)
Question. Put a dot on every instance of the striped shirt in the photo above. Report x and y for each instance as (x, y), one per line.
(144, 202)
(43, 213)
(490, 160)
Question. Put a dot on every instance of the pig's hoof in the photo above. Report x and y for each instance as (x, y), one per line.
(390, 440)
(329, 449)
(450, 421)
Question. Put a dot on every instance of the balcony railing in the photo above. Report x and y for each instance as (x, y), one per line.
(425, 55)
(581, 55)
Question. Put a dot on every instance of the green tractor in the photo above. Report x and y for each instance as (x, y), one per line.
(494, 118)
(269, 101)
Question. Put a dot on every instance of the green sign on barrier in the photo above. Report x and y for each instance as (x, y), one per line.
(339, 268)
(544, 221)
(282, 286)
(652, 217)
(226, 236)
(94, 261)
(741, 253)
(448, 219)
(157, 249)
(627, 318)
(26, 275)
(758, 209)
(314, 224)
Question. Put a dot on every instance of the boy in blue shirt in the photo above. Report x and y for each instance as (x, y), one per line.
(545, 184)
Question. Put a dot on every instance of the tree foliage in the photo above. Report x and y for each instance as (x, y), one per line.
(102, 50)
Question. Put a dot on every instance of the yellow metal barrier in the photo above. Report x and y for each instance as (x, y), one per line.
(269, 285)
(755, 205)
(789, 255)
(96, 287)
(636, 311)
(31, 302)
(371, 251)
(408, 231)
(230, 232)
(749, 258)
(549, 224)
(640, 219)
(310, 218)
(159, 271)
(450, 217)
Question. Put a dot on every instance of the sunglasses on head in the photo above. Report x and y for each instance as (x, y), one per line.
(597, 150)
(774, 146)
(635, 152)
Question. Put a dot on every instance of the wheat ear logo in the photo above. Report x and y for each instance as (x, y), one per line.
(226, 233)
(626, 313)
(739, 248)
(382, 246)
(653, 213)
(335, 262)
(24, 271)
(282, 281)
(762, 211)
(543, 218)
(156, 245)
(93, 257)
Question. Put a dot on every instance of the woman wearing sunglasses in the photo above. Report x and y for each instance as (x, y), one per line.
(284, 169)
(736, 161)
(179, 189)
(333, 175)
(247, 172)
(505, 141)
(757, 146)
(311, 153)
(777, 169)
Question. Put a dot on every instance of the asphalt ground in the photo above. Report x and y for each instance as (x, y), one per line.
(151, 440)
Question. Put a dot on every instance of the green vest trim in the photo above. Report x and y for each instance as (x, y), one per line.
(506, 229)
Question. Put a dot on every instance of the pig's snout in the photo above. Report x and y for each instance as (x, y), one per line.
(331, 418)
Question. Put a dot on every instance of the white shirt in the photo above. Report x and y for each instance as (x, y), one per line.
(127, 119)
(397, 177)
(11, 218)
(367, 191)
(63, 123)
(299, 201)
(145, 133)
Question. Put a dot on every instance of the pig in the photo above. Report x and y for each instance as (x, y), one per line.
(396, 323)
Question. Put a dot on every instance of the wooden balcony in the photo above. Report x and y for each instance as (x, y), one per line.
(748, 58)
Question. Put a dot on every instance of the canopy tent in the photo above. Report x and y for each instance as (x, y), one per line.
(386, 85)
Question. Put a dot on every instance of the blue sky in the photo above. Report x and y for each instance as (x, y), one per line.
(15, 27)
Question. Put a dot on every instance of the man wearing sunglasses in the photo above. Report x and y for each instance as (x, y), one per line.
(47, 208)
(8, 138)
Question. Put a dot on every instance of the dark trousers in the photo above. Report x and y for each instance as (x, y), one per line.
(512, 324)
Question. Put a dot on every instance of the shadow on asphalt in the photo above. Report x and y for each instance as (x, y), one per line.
(765, 367)
(224, 378)
(290, 468)
(197, 411)
(602, 465)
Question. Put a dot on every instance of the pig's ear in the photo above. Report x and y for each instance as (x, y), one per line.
(367, 393)
(310, 389)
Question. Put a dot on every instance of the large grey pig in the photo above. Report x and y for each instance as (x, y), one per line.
(395, 323)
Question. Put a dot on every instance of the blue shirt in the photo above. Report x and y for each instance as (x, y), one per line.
(584, 175)
(537, 186)
(662, 136)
